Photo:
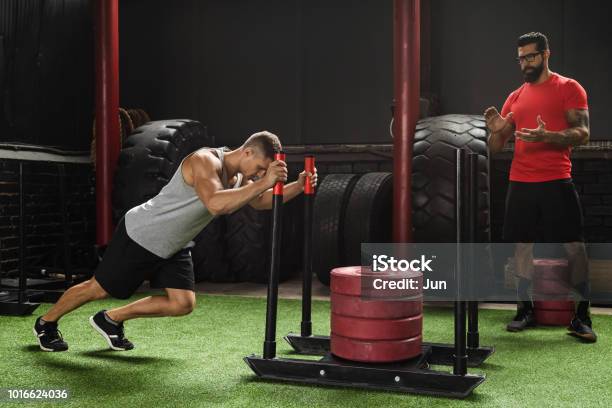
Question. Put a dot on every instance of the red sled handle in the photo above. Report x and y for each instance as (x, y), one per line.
(309, 166)
(278, 187)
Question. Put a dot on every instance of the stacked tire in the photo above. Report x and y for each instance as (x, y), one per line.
(128, 120)
(552, 292)
(329, 215)
(376, 330)
(349, 210)
(368, 215)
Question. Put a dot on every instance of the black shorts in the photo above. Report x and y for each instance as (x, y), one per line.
(548, 211)
(126, 265)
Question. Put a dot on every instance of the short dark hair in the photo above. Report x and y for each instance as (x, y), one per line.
(267, 143)
(534, 38)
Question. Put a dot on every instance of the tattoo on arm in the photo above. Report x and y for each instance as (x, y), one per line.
(578, 132)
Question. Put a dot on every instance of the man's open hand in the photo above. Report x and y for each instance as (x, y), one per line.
(540, 134)
(494, 120)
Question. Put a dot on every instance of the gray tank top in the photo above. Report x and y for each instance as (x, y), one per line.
(169, 221)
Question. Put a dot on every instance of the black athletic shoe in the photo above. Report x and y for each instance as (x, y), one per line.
(113, 333)
(49, 337)
(522, 320)
(582, 329)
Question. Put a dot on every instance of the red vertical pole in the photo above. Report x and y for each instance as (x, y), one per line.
(106, 29)
(406, 65)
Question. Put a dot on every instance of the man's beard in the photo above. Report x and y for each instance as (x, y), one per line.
(533, 74)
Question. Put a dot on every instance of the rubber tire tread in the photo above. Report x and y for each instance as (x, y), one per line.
(368, 214)
(329, 208)
(433, 175)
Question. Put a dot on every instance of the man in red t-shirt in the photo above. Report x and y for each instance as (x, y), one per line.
(547, 115)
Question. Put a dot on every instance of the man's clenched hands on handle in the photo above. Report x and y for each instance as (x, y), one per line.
(277, 171)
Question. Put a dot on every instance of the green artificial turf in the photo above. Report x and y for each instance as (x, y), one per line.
(197, 361)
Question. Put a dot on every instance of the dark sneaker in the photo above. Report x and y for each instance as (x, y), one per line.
(582, 329)
(522, 320)
(49, 337)
(113, 333)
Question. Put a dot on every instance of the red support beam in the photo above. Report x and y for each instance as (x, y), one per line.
(406, 76)
(106, 37)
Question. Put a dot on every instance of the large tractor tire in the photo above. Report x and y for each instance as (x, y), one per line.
(329, 210)
(210, 254)
(368, 214)
(247, 238)
(433, 185)
(248, 246)
(433, 175)
(149, 158)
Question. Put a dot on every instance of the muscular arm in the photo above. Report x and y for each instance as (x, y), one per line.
(209, 188)
(264, 201)
(577, 134)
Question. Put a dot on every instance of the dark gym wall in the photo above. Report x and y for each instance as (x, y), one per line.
(230, 64)
(321, 71)
(347, 71)
(46, 72)
(315, 72)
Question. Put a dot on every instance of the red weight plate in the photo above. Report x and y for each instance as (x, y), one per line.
(554, 305)
(375, 309)
(376, 329)
(346, 280)
(552, 269)
(551, 287)
(350, 280)
(553, 317)
(382, 351)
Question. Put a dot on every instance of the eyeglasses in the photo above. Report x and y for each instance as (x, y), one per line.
(528, 57)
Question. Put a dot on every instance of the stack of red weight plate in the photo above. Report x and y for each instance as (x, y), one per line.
(381, 328)
(551, 287)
